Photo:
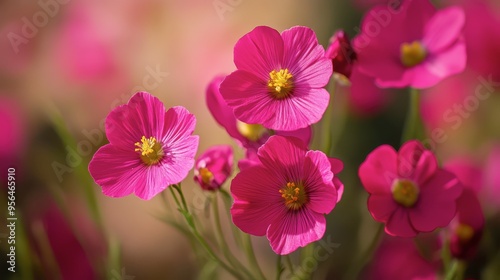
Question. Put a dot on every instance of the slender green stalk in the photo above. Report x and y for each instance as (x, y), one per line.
(326, 123)
(289, 263)
(184, 210)
(305, 255)
(456, 271)
(237, 234)
(413, 129)
(357, 266)
(247, 244)
(80, 169)
(222, 241)
(279, 268)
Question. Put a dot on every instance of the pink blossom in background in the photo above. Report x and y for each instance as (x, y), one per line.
(408, 191)
(286, 196)
(78, 248)
(399, 259)
(213, 167)
(416, 46)
(364, 98)
(149, 149)
(491, 191)
(248, 136)
(341, 53)
(468, 171)
(482, 39)
(13, 140)
(280, 79)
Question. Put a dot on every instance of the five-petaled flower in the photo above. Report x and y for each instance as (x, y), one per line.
(418, 46)
(408, 191)
(286, 195)
(280, 79)
(149, 148)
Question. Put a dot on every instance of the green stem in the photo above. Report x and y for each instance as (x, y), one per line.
(247, 244)
(326, 125)
(183, 208)
(289, 263)
(236, 232)
(279, 268)
(305, 255)
(81, 169)
(355, 269)
(413, 129)
(222, 241)
(456, 271)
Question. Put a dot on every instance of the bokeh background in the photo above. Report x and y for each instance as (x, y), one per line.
(64, 65)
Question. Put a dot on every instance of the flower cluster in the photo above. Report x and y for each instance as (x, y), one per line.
(286, 182)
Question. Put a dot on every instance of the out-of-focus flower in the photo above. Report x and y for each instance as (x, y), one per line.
(341, 53)
(491, 191)
(13, 135)
(408, 191)
(399, 259)
(280, 79)
(417, 46)
(466, 229)
(69, 245)
(213, 167)
(364, 98)
(483, 42)
(249, 136)
(149, 149)
(286, 196)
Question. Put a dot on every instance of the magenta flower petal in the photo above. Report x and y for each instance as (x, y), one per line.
(142, 110)
(260, 49)
(382, 207)
(337, 166)
(319, 175)
(222, 113)
(416, 162)
(306, 58)
(286, 157)
(257, 201)
(116, 171)
(379, 170)
(399, 224)
(292, 231)
(451, 19)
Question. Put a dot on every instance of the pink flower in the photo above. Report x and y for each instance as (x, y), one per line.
(77, 247)
(149, 149)
(466, 229)
(364, 98)
(416, 46)
(249, 136)
(286, 196)
(280, 79)
(408, 191)
(213, 167)
(492, 179)
(399, 259)
(13, 140)
(341, 53)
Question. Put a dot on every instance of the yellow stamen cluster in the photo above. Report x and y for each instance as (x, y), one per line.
(412, 53)
(294, 195)
(252, 132)
(405, 192)
(280, 83)
(206, 175)
(150, 149)
(464, 232)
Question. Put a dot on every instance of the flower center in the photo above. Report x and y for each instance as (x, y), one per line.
(464, 232)
(206, 175)
(150, 149)
(412, 53)
(280, 83)
(252, 132)
(405, 192)
(294, 195)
